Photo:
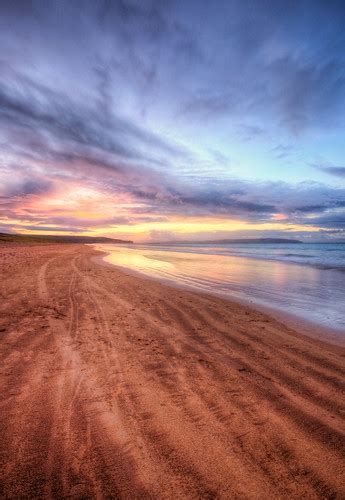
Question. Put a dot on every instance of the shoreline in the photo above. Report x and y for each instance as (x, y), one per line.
(323, 267)
(115, 385)
(303, 326)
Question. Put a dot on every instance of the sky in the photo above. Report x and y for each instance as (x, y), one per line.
(173, 120)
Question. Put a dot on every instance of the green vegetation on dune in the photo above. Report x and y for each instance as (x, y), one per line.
(49, 238)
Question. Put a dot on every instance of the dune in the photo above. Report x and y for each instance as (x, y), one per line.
(117, 386)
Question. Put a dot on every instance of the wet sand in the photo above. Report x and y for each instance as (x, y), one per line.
(117, 386)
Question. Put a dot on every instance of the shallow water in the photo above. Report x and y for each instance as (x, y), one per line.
(314, 292)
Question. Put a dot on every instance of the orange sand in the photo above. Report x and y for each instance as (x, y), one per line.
(113, 385)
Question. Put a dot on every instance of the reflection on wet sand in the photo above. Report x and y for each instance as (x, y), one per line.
(310, 293)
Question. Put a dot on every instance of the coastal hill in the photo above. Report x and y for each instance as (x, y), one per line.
(49, 238)
(256, 240)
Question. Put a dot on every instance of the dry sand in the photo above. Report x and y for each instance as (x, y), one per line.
(116, 386)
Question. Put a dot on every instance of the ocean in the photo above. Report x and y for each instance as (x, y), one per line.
(305, 280)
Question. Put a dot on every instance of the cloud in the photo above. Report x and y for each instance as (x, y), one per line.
(241, 200)
(245, 200)
(331, 220)
(51, 228)
(137, 109)
(24, 187)
(26, 105)
(282, 151)
(336, 171)
(194, 60)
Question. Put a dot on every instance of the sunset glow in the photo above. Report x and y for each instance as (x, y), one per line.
(170, 133)
(172, 249)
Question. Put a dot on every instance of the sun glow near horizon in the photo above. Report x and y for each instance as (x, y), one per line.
(179, 228)
(236, 128)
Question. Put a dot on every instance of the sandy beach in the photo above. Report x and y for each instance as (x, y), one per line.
(117, 386)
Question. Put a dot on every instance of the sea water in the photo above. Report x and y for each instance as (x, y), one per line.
(304, 280)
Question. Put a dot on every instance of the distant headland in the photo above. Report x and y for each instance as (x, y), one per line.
(238, 241)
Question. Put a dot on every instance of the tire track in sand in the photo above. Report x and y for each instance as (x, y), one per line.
(137, 390)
